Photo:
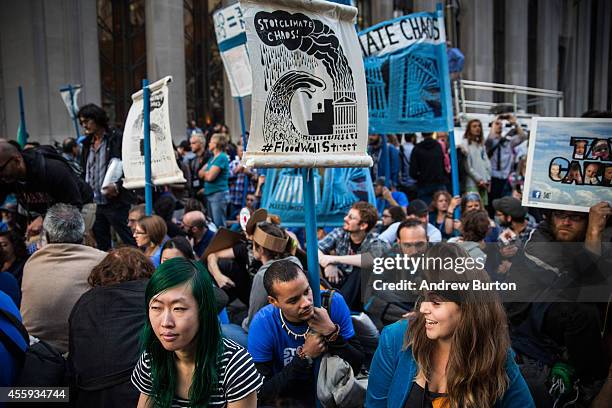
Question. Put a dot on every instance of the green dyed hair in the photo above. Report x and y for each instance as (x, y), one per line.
(175, 272)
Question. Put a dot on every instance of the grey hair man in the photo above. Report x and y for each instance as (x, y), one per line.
(64, 224)
(55, 276)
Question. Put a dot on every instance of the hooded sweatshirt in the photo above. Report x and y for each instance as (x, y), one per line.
(427, 163)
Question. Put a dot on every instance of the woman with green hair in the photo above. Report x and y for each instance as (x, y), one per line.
(186, 362)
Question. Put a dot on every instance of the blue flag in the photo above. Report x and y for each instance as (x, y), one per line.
(404, 62)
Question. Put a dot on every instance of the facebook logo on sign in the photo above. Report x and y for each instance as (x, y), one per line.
(536, 194)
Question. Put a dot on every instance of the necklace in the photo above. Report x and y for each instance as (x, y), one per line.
(291, 332)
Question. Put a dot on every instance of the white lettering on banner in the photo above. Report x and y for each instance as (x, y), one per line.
(309, 85)
(399, 34)
(229, 22)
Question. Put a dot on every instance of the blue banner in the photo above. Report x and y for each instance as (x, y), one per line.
(340, 188)
(404, 63)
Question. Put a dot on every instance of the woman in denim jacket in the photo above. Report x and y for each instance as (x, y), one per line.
(455, 351)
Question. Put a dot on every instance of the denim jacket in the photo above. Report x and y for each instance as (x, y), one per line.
(393, 369)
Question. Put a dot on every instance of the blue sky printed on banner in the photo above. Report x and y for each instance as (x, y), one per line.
(553, 140)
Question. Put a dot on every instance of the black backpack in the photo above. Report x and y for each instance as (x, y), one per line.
(41, 365)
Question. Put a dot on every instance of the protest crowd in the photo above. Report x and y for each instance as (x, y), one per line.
(207, 301)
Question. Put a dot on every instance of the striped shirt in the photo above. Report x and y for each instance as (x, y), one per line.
(237, 375)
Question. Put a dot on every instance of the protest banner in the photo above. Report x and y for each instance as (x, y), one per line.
(335, 192)
(309, 102)
(231, 38)
(569, 164)
(164, 169)
(406, 73)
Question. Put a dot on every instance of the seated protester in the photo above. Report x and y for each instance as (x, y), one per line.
(108, 319)
(164, 207)
(384, 306)
(177, 247)
(389, 216)
(288, 334)
(233, 266)
(149, 235)
(270, 244)
(194, 225)
(418, 210)
(454, 352)
(15, 253)
(135, 214)
(186, 361)
(55, 276)
(511, 215)
(474, 228)
(563, 253)
(442, 213)
(356, 237)
(386, 198)
(12, 342)
(473, 202)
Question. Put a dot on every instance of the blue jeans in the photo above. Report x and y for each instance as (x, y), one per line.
(425, 193)
(217, 204)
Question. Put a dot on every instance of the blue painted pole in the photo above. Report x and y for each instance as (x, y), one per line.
(312, 247)
(146, 100)
(385, 160)
(244, 147)
(23, 133)
(74, 114)
(446, 89)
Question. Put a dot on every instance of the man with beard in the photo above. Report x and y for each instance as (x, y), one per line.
(511, 215)
(564, 254)
(194, 225)
(288, 334)
(101, 156)
(356, 237)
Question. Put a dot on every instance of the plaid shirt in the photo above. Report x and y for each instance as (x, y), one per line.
(340, 241)
(236, 182)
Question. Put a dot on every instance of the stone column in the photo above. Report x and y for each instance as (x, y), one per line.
(516, 45)
(46, 46)
(602, 56)
(476, 19)
(165, 33)
(381, 11)
(424, 5)
(548, 34)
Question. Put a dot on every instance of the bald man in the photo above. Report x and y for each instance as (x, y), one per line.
(39, 177)
(194, 225)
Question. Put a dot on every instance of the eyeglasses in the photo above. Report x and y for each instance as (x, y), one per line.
(386, 216)
(562, 216)
(416, 245)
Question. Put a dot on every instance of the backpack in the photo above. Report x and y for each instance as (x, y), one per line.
(41, 364)
(49, 153)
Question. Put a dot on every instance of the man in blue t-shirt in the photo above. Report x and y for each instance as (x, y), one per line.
(285, 336)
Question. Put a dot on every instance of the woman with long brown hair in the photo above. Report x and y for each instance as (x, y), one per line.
(454, 352)
(477, 164)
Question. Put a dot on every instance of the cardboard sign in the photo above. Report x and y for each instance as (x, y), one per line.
(309, 104)
(569, 164)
